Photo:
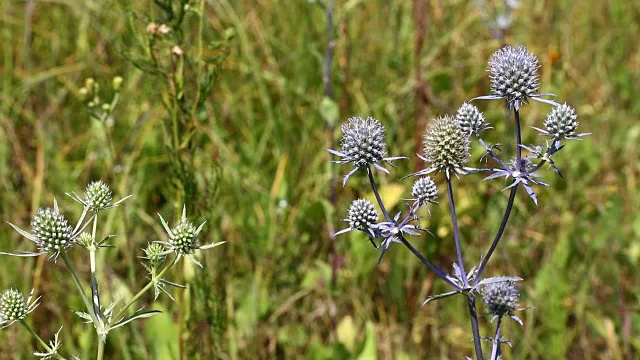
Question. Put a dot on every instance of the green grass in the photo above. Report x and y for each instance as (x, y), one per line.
(267, 293)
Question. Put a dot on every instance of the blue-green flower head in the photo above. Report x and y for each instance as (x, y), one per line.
(362, 214)
(15, 307)
(513, 74)
(562, 122)
(424, 190)
(446, 145)
(470, 119)
(501, 297)
(363, 141)
(52, 232)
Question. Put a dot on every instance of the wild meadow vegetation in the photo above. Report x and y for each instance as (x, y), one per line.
(228, 107)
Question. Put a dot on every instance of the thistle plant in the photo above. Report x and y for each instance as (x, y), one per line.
(54, 237)
(446, 150)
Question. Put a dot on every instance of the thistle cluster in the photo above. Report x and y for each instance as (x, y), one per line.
(53, 236)
(447, 149)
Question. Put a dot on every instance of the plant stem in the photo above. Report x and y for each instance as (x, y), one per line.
(377, 194)
(76, 281)
(503, 225)
(456, 232)
(101, 344)
(145, 289)
(441, 274)
(95, 293)
(495, 349)
(516, 114)
(512, 197)
(471, 302)
(39, 339)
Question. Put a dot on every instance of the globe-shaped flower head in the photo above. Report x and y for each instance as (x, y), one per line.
(513, 74)
(363, 141)
(424, 190)
(562, 122)
(501, 297)
(362, 145)
(446, 146)
(52, 232)
(362, 216)
(14, 307)
(98, 195)
(470, 119)
(183, 238)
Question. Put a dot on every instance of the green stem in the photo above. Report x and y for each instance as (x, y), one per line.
(95, 293)
(145, 289)
(76, 281)
(39, 339)
(101, 344)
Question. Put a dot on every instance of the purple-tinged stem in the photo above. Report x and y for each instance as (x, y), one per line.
(475, 329)
(439, 272)
(495, 349)
(456, 232)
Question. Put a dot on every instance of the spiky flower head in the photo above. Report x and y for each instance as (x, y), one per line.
(363, 141)
(155, 253)
(501, 297)
(98, 195)
(51, 230)
(513, 74)
(561, 122)
(183, 238)
(362, 214)
(85, 239)
(14, 306)
(470, 119)
(424, 190)
(446, 145)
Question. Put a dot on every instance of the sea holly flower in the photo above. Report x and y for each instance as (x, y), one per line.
(501, 296)
(51, 232)
(446, 148)
(362, 145)
(424, 191)
(97, 197)
(362, 216)
(183, 238)
(514, 78)
(561, 124)
(14, 307)
(471, 120)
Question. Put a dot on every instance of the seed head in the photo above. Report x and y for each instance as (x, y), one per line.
(184, 237)
(561, 122)
(513, 74)
(501, 297)
(155, 253)
(470, 119)
(362, 214)
(446, 146)
(424, 190)
(52, 231)
(13, 306)
(363, 141)
(98, 195)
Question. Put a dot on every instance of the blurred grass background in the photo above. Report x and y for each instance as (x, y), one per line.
(280, 288)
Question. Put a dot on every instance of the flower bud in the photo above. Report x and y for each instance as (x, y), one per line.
(470, 119)
(98, 195)
(117, 82)
(362, 214)
(424, 190)
(13, 306)
(362, 141)
(52, 231)
(446, 146)
(561, 122)
(501, 297)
